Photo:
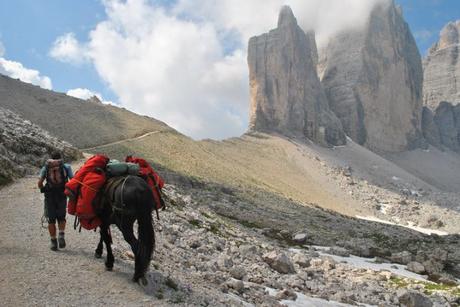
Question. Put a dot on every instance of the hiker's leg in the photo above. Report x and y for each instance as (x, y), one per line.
(50, 209)
(61, 237)
(52, 229)
(61, 206)
(50, 212)
(61, 226)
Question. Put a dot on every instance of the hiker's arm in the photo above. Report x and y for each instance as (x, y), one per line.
(69, 171)
(40, 183)
(42, 178)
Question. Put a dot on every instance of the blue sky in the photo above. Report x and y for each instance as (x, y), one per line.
(28, 29)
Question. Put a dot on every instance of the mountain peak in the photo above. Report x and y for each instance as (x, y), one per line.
(450, 35)
(286, 17)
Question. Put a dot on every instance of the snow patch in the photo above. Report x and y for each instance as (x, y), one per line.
(411, 225)
(303, 300)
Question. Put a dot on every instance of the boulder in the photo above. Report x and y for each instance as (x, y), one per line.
(234, 284)
(433, 267)
(302, 260)
(339, 251)
(300, 238)
(279, 262)
(373, 79)
(238, 272)
(414, 299)
(286, 94)
(286, 294)
(442, 68)
(416, 267)
(224, 262)
(402, 258)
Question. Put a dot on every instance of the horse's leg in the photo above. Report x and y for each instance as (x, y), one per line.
(107, 238)
(126, 227)
(100, 246)
(127, 230)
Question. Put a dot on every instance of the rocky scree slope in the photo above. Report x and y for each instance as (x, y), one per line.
(209, 257)
(286, 94)
(82, 123)
(442, 68)
(205, 245)
(25, 146)
(373, 80)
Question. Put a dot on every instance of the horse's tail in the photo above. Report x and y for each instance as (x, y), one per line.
(146, 234)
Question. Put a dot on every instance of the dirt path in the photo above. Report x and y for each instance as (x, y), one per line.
(32, 274)
(123, 141)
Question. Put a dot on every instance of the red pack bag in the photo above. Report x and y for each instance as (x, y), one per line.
(72, 206)
(90, 224)
(95, 162)
(90, 187)
(154, 180)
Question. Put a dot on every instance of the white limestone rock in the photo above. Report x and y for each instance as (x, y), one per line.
(442, 68)
(286, 94)
(373, 80)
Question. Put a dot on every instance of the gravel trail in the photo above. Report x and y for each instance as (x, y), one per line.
(32, 274)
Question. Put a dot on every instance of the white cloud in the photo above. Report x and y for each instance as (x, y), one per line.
(18, 71)
(85, 94)
(249, 18)
(186, 64)
(424, 35)
(66, 48)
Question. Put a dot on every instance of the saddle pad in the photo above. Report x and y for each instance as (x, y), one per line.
(115, 169)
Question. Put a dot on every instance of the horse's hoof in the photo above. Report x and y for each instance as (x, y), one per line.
(109, 268)
(143, 281)
(97, 255)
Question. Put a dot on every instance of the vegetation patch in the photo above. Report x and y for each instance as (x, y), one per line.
(4, 180)
(215, 229)
(159, 294)
(195, 223)
(171, 283)
(429, 287)
(206, 215)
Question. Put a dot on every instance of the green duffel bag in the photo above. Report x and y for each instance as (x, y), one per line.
(115, 168)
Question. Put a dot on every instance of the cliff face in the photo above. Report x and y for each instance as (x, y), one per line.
(373, 80)
(286, 94)
(442, 68)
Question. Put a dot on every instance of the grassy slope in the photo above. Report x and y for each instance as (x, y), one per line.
(269, 163)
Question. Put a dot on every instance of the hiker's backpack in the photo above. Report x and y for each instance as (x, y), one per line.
(56, 174)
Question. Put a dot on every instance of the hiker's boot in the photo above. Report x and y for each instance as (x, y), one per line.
(61, 241)
(54, 245)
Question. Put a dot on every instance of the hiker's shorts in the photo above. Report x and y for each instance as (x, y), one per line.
(55, 207)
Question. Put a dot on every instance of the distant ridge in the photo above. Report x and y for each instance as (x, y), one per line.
(83, 123)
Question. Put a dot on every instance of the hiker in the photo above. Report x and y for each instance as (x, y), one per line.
(56, 173)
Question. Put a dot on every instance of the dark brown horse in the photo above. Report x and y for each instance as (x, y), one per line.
(125, 200)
